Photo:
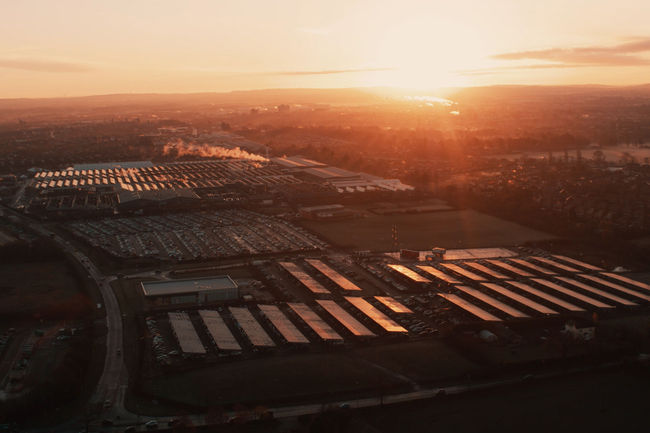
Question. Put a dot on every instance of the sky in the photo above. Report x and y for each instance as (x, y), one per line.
(85, 47)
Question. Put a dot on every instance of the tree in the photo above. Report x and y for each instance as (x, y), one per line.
(599, 156)
(627, 158)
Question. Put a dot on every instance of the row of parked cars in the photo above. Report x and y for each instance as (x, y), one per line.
(161, 347)
(224, 233)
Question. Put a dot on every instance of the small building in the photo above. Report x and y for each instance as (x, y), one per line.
(326, 212)
(192, 291)
(405, 254)
(8, 180)
(436, 254)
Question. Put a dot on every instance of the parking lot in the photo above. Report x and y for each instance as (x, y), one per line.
(192, 236)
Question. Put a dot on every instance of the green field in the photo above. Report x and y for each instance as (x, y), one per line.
(270, 380)
(299, 377)
(452, 229)
(602, 401)
(420, 361)
(40, 289)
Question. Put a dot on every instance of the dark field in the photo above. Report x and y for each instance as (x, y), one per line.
(270, 380)
(451, 229)
(612, 401)
(294, 378)
(426, 360)
(40, 289)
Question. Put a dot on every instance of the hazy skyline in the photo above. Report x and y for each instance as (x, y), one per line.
(74, 47)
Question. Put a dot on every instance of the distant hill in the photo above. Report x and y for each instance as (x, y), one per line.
(241, 97)
(511, 92)
(12, 109)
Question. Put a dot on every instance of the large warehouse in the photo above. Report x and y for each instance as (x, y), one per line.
(194, 291)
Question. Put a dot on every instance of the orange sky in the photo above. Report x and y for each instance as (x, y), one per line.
(75, 47)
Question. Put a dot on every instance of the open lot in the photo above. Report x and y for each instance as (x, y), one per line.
(40, 289)
(426, 360)
(301, 377)
(292, 378)
(594, 402)
(453, 229)
(54, 356)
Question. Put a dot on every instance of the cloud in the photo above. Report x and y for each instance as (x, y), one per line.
(628, 53)
(497, 70)
(328, 71)
(624, 54)
(43, 65)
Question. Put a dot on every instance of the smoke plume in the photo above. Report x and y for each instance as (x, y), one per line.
(180, 148)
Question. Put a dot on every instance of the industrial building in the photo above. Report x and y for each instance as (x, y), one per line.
(128, 186)
(194, 291)
(326, 212)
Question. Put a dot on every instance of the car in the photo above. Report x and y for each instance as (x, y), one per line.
(237, 419)
(266, 415)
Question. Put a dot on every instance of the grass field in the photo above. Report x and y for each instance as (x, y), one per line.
(296, 378)
(426, 360)
(606, 401)
(40, 288)
(452, 229)
(270, 380)
(48, 296)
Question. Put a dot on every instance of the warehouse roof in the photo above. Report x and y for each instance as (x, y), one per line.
(107, 165)
(180, 287)
(296, 162)
(331, 172)
(157, 195)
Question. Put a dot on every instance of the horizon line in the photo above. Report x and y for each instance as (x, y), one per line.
(266, 89)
